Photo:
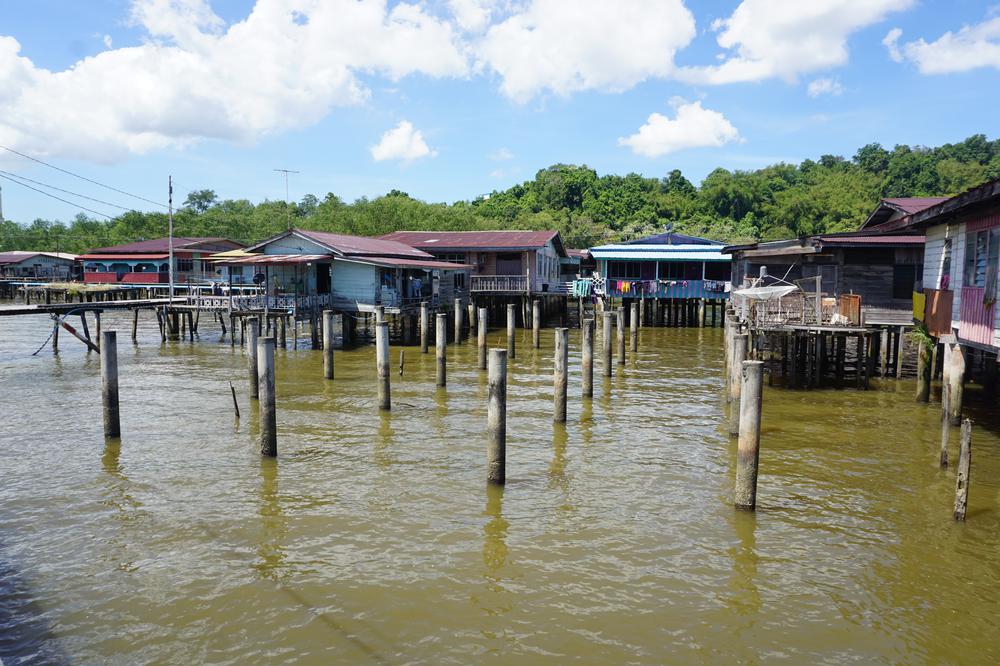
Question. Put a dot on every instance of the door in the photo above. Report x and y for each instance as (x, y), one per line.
(322, 278)
(509, 263)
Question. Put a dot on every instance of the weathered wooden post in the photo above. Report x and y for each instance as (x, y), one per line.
(135, 323)
(425, 322)
(382, 364)
(482, 322)
(620, 315)
(440, 349)
(109, 383)
(253, 333)
(748, 447)
(511, 316)
(459, 312)
(588, 357)
(736, 381)
(962, 477)
(496, 418)
(956, 374)
(560, 379)
(606, 330)
(945, 424)
(328, 323)
(471, 307)
(536, 323)
(265, 381)
(923, 372)
(634, 327)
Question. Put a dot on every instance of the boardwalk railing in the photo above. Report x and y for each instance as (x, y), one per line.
(499, 283)
(288, 303)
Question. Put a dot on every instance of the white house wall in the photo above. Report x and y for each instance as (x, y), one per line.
(353, 283)
(294, 245)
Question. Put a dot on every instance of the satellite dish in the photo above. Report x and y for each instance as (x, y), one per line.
(259, 279)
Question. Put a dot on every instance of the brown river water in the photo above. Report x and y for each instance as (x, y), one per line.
(373, 538)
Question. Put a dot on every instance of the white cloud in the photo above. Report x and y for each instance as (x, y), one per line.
(403, 143)
(819, 87)
(590, 45)
(785, 38)
(501, 155)
(283, 67)
(693, 127)
(107, 41)
(970, 48)
(472, 15)
(891, 42)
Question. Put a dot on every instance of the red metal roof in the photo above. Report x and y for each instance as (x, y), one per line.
(119, 257)
(160, 245)
(867, 239)
(911, 205)
(473, 240)
(414, 263)
(363, 246)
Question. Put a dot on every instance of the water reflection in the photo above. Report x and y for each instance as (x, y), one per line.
(744, 599)
(383, 442)
(495, 542)
(587, 420)
(270, 548)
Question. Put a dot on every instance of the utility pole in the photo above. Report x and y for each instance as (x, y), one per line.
(288, 212)
(170, 237)
(1, 204)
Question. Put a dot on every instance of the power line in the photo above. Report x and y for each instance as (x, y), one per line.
(76, 175)
(76, 205)
(59, 189)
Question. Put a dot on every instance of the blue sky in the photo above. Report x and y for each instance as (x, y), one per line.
(450, 99)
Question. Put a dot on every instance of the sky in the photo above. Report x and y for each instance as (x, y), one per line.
(451, 99)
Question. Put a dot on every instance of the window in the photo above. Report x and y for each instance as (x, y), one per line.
(903, 278)
(460, 281)
(624, 270)
(981, 251)
(185, 265)
(453, 258)
(945, 280)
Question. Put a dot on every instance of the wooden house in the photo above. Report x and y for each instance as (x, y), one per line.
(147, 262)
(37, 265)
(347, 273)
(961, 260)
(883, 268)
(505, 262)
(664, 266)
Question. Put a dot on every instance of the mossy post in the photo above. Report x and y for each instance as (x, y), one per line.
(109, 384)
(265, 382)
(748, 448)
(496, 418)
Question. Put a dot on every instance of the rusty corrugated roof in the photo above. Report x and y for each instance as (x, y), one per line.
(350, 246)
(474, 240)
(159, 245)
(868, 239)
(911, 205)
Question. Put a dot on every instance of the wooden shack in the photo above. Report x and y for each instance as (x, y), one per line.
(883, 269)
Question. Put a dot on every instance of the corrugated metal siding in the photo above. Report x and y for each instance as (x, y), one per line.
(934, 256)
(353, 283)
(977, 320)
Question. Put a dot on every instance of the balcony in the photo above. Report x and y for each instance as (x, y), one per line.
(499, 284)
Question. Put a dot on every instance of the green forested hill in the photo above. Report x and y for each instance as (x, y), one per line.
(832, 193)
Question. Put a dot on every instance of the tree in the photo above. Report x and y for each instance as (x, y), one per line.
(200, 200)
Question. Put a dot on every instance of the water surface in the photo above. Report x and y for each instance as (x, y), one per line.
(373, 538)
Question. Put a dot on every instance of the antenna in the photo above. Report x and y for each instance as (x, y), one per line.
(288, 212)
(170, 237)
